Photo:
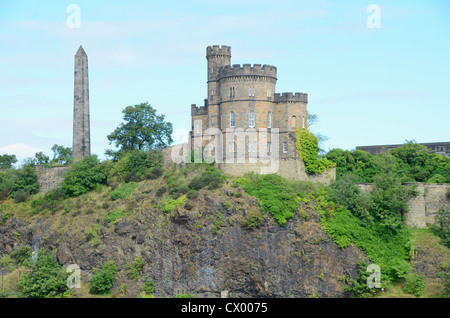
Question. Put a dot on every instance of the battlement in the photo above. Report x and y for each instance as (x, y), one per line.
(218, 50)
(290, 97)
(248, 70)
(202, 110)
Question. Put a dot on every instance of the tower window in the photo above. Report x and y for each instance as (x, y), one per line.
(269, 93)
(269, 120)
(198, 128)
(294, 123)
(232, 146)
(231, 92)
(251, 119)
(303, 122)
(269, 147)
(252, 146)
(251, 91)
(285, 147)
(232, 119)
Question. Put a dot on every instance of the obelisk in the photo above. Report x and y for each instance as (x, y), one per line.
(81, 126)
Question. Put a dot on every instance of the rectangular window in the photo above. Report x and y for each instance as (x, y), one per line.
(269, 147)
(232, 147)
(252, 146)
(251, 119)
(285, 147)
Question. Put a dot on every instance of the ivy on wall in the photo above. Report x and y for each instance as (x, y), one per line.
(307, 146)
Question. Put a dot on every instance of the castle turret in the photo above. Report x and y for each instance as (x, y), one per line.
(218, 57)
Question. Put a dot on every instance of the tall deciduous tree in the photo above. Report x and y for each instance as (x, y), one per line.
(142, 129)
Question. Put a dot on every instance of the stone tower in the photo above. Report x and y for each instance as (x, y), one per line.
(81, 127)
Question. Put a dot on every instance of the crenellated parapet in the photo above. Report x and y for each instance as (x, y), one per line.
(290, 98)
(215, 50)
(236, 70)
(198, 111)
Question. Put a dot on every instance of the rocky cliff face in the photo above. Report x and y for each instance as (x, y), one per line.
(203, 249)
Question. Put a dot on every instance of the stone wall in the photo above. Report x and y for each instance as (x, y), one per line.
(423, 207)
(177, 155)
(49, 178)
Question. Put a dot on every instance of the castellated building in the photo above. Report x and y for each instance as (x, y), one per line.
(244, 125)
(244, 97)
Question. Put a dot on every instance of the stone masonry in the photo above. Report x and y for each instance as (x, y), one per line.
(424, 206)
(81, 125)
(243, 114)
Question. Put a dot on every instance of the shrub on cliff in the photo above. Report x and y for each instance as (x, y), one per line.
(83, 176)
(211, 178)
(46, 280)
(103, 279)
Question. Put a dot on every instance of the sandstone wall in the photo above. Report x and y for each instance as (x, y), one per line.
(49, 178)
(423, 207)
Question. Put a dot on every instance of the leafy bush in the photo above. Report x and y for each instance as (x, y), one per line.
(358, 287)
(21, 196)
(308, 150)
(253, 219)
(134, 269)
(161, 191)
(170, 204)
(124, 191)
(46, 280)
(275, 196)
(103, 279)
(24, 179)
(211, 178)
(154, 173)
(441, 226)
(83, 176)
(22, 255)
(112, 217)
(414, 284)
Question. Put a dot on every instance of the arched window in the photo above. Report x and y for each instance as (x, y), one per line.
(303, 122)
(294, 121)
(269, 120)
(251, 118)
(232, 119)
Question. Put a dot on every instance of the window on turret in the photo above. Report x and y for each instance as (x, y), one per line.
(252, 146)
(269, 120)
(251, 91)
(303, 122)
(198, 128)
(285, 147)
(231, 92)
(269, 93)
(293, 121)
(232, 146)
(232, 119)
(251, 119)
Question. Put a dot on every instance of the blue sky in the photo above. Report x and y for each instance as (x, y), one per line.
(368, 86)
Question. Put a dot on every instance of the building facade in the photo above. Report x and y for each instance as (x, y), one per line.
(244, 99)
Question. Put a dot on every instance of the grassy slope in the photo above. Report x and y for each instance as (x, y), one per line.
(77, 215)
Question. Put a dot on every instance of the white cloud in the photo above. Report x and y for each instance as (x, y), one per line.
(22, 151)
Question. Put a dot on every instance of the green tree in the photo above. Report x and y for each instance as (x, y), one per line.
(103, 279)
(41, 159)
(61, 155)
(25, 179)
(7, 161)
(142, 129)
(46, 280)
(83, 176)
